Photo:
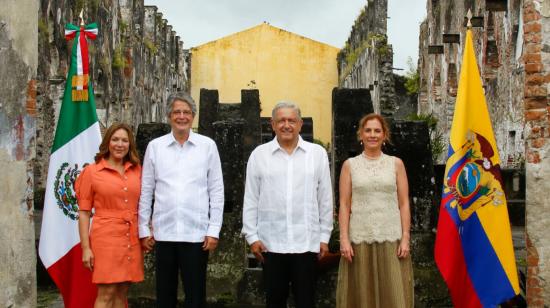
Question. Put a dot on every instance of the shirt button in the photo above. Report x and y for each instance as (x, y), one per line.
(128, 258)
(127, 234)
(128, 223)
(126, 200)
(129, 246)
(125, 188)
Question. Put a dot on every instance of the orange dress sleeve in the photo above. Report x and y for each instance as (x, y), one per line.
(83, 189)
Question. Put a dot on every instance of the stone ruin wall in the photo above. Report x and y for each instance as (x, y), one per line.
(366, 60)
(18, 114)
(498, 40)
(136, 61)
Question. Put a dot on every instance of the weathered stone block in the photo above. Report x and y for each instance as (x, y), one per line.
(411, 143)
(348, 106)
(208, 113)
(227, 263)
(147, 132)
(250, 112)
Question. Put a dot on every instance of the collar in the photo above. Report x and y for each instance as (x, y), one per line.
(276, 146)
(172, 140)
(103, 164)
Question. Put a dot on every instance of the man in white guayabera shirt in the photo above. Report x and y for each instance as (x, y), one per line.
(182, 171)
(287, 214)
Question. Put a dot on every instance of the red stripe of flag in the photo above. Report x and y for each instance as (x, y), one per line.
(74, 280)
(451, 262)
(84, 50)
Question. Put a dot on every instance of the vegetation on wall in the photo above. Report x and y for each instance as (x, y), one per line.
(412, 78)
(118, 58)
(122, 26)
(43, 31)
(437, 143)
(373, 40)
(153, 49)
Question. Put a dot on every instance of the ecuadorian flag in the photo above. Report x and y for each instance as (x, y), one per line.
(473, 248)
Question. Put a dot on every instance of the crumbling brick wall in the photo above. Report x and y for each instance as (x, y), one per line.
(536, 56)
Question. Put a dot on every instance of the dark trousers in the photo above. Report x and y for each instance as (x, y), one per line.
(187, 259)
(297, 270)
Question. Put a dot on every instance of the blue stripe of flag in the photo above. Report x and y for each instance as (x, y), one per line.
(484, 268)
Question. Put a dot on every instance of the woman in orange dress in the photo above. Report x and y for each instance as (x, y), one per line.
(111, 186)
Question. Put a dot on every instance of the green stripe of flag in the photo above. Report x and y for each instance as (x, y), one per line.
(74, 117)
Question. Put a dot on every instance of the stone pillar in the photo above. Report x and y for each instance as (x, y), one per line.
(411, 143)
(18, 68)
(307, 129)
(227, 264)
(208, 111)
(266, 129)
(536, 19)
(348, 106)
(147, 132)
(250, 112)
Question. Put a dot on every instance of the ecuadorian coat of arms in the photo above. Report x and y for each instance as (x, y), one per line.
(473, 180)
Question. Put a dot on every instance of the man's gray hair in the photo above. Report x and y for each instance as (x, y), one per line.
(183, 97)
(286, 104)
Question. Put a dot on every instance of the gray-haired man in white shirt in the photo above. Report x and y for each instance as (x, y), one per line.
(288, 211)
(182, 170)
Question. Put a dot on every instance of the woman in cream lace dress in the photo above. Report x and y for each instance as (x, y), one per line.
(375, 268)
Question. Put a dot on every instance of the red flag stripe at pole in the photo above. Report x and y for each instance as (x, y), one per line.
(84, 52)
(452, 265)
(73, 280)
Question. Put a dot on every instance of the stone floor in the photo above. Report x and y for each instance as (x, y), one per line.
(48, 297)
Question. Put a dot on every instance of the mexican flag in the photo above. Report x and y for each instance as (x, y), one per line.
(76, 142)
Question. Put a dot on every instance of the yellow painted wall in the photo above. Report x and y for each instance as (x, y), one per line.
(283, 65)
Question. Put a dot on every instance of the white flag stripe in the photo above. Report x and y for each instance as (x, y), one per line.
(55, 243)
(79, 66)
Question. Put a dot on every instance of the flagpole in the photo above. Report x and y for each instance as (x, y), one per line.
(81, 16)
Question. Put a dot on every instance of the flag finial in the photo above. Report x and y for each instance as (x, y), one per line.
(469, 16)
(81, 16)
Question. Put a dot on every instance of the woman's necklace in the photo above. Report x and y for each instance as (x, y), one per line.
(372, 157)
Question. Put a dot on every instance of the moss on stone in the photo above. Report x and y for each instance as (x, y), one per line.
(43, 32)
(118, 61)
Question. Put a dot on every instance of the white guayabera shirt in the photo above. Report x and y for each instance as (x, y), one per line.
(288, 198)
(186, 181)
